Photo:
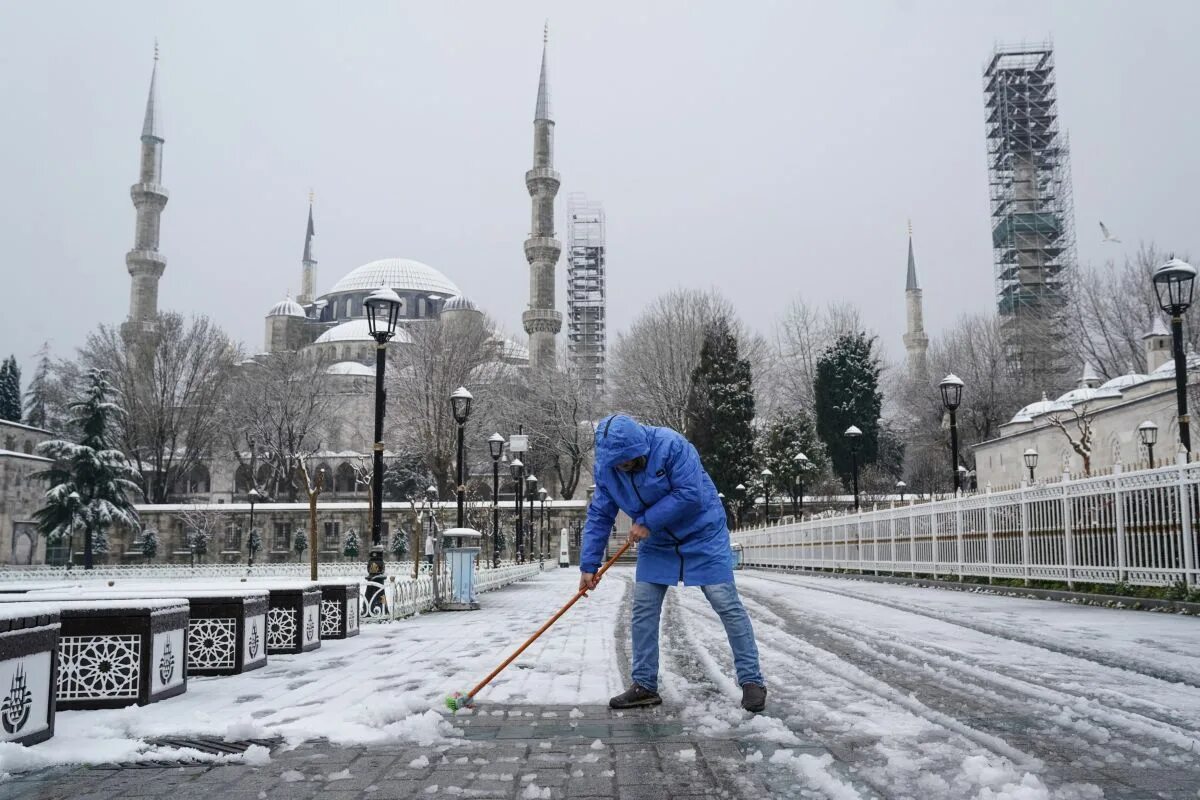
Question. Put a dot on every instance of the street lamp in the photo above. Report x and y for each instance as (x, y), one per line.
(766, 475)
(900, 487)
(961, 475)
(74, 499)
(951, 388)
(1148, 433)
(1031, 459)
(517, 470)
(1173, 282)
(542, 493)
(496, 450)
(383, 311)
(802, 463)
(460, 407)
(253, 496)
(531, 484)
(741, 492)
(854, 434)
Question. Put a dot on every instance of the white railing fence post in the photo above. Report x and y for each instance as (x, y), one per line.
(1025, 532)
(990, 527)
(1068, 543)
(1119, 521)
(958, 534)
(1185, 524)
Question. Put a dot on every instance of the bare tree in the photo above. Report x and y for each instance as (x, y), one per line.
(801, 336)
(654, 361)
(172, 389)
(443, 355)
(1076, 425)
(201, 528)
(279, 399)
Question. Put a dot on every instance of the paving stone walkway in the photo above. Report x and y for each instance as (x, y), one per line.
(513, 752)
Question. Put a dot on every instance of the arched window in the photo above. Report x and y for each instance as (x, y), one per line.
(10, 443)
(1115, 447)
(28, 448)
(197, 480)
(344, 479)
(349, 306)
(241, 479)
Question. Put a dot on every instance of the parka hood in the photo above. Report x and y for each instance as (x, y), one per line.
(620, 438)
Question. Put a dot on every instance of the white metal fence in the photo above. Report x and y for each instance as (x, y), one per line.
(1134, 527)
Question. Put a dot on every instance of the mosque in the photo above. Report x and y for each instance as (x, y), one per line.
(333, 324)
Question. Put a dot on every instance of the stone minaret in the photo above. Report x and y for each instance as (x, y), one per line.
(308, 264)
(542, 322)
(144, 262)
(915, 340)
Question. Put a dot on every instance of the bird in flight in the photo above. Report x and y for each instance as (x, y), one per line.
(1108, 237)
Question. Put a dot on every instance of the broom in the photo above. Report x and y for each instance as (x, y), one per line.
(458, 700)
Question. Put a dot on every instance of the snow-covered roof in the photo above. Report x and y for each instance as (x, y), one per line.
(1157, 328)
(1168, 368)
(358, 330)
(459, 303)
(287, 308)
(511, 349)
(1084, 394)
(8, 423)
(1042, 406)
(350, 368)
(400, 274)
(1125, 381)
(15, 454)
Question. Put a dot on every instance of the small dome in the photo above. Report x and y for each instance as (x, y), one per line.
(358, 330)
(511, 350)
(287, 308)
(350, 368)
(1085, 393)
(400, 274)
(1042, 406)
(459, 303)
(1125, 381)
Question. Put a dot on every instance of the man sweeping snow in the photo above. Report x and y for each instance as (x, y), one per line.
(654, 475)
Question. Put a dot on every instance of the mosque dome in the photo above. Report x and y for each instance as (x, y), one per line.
(1042, 406)
(1125, 381)
(287, 308)
(399, 274)
(358, 330)
(459, 303)
(350, 368)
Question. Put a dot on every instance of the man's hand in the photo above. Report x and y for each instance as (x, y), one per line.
(638, 532)
(588, 580)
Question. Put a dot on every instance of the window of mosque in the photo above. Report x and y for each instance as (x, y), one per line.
(197, 481)
(344, 480)
(28, 448)
(241, 479)
(333, 537)
(349, 301)
(10, 443)
(233, 537)
(282, 540)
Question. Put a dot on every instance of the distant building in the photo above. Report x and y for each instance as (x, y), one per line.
(587, 337)
(916, 342)
(20, 493)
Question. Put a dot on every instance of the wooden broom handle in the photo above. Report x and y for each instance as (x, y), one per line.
(581, 593)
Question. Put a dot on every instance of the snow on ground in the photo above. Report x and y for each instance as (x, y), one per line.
(388, 683)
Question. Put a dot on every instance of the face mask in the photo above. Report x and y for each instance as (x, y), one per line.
(633, 465)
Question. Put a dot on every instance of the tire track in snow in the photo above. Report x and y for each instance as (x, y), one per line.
(1129, 664)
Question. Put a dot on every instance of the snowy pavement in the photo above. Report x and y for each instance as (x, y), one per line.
(876, 691)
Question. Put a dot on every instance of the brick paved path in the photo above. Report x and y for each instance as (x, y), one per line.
(508, 752)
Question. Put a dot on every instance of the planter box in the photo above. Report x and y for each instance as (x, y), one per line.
(339, 609)
(294, 618)
(115, 653)
(28, 671)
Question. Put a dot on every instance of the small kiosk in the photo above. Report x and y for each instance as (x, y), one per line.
(460, 551)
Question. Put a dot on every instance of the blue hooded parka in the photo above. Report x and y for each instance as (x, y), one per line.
(673, 497)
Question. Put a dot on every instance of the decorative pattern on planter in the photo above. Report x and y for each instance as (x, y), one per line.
(166, 665)
(281, 628)
(310, 627)
(331, 618)
(212, 643)
(253, 640)
(98, 667)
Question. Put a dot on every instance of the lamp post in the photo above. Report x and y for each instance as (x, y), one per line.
(766, 476)
(517, 470)
(542, 494)
(495, 450)
(741, 493)
(460, 407)
(802, 464)
(1173, 282)
(431, 497)
(1031, 459)
(1148, 433)
(531, 484)
(74, 499)
(951, 388)
(253, 496)
(383, 311)
(900, 487)
(854, 434)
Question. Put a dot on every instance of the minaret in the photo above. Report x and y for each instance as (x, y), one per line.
(542, 322)
(915, 340)
(144, 262)
(308, 264)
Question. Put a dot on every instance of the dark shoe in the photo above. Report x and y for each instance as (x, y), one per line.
(754, 697)
(635, 697)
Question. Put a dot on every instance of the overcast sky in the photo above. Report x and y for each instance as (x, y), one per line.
(768, 150)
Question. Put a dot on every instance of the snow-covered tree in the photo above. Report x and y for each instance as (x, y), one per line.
(37, 396)
(300, 543)
(350, 546)
(847, 393)
(779, 441)
(10, 390)
(254, 544)
(149, 543)
(400, 543)
(720, 409)
(90, 480)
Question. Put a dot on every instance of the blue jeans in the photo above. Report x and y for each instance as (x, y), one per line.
(723, 597)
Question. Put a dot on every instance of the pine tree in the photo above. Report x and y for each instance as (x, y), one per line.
(254, 544)
(10, 390)
(37, 400)
(783, 437)
(721, 409)
(149, 543)
(350, 546)
(846, 390)
(400, 544)
(197, 543)
(89, 481)
(300, 543)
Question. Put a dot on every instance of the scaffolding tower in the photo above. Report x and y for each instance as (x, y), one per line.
(1029, 177)
(587, 339)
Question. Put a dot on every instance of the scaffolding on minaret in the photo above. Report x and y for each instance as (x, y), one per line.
(587, 337)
